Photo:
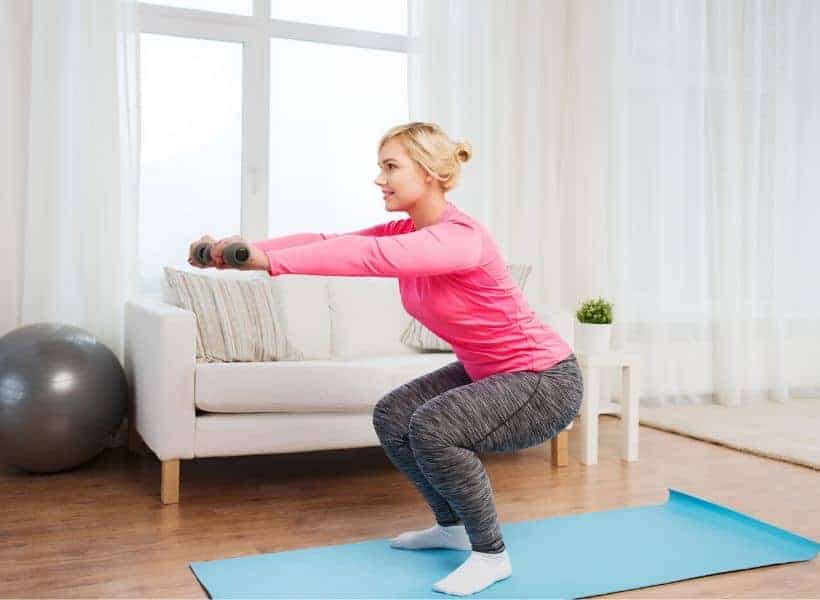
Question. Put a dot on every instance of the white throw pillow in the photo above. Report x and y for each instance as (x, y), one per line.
(305, 313)
(366, 315)
(237, 315)
(418, 336)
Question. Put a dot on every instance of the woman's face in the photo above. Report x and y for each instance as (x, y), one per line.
(402, 180)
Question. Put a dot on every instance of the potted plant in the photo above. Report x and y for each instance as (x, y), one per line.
(593, 330)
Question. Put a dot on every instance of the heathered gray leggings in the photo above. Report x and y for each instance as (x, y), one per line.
(432, 428)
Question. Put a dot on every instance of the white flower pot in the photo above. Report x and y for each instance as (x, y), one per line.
(592, 337)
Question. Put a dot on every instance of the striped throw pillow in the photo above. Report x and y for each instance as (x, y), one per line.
(418, 336)
(237, 316)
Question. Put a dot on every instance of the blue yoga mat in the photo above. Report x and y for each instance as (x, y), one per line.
(558, 557)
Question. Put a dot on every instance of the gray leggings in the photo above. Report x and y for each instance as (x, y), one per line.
(432, 428)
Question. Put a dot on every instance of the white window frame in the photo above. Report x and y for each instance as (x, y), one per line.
(254, 33)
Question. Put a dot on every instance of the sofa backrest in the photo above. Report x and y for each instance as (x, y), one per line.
(366, 317)
(365, 314)
(305, 313)
(346, 317)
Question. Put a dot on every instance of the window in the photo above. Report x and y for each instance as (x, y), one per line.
(324, 131)
(191, 152)
(261, 117)
(387, 16)
(237, 7)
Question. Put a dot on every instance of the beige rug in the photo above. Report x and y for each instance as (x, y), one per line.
(789, 431)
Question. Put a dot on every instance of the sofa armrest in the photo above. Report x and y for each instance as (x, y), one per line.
(160, 360)
(562, 321)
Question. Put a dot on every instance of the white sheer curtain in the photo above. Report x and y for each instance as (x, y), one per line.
(15, 68)
(79, 217)
(713, 196)
(661, 154)
(522, 82)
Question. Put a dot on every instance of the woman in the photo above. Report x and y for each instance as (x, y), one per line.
(516, 382)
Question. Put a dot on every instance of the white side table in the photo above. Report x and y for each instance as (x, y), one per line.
(591, 366)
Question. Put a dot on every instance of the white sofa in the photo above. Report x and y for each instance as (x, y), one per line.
(348, 329)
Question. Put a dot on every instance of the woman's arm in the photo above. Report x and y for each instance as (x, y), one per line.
(300, 239)
(436, 249)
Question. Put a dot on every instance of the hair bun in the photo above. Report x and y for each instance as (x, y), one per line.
(464, 151)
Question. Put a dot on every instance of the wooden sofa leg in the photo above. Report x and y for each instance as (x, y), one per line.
(170, 481)
(560, 449)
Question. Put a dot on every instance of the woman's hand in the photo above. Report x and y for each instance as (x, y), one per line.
(258, 260)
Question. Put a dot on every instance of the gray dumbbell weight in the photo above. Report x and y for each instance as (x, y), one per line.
(237, 254)
(201, 254)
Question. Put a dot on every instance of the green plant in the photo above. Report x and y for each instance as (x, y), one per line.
(595, 311)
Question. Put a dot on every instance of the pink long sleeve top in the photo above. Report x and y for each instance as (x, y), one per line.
(452, 279)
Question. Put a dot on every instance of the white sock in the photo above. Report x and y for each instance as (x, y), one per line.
(453, 536)
(478, 572)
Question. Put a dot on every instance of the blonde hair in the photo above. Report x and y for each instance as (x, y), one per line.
(431, 148)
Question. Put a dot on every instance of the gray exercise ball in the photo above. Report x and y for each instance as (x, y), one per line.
(62, 396)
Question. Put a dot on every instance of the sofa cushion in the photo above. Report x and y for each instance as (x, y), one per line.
(236, 316)
(312, 386)
(305, 313)
(366, 317)
(295, 306)
(170, 296)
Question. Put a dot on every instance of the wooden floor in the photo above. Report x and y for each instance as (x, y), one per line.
(101, 531)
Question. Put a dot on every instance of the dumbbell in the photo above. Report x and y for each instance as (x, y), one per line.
(236, 254)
